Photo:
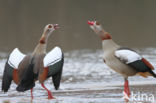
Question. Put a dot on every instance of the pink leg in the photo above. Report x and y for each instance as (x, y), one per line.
(50, 96)
(126, 88)
(32, 93)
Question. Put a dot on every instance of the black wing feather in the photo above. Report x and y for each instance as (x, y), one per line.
(56, 79)
(55, 71)
(140, 66)
(7, 77)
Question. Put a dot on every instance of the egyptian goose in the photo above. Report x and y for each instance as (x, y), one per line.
(123, 60)
(24, 70)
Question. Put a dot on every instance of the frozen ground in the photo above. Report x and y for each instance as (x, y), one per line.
(86, 79)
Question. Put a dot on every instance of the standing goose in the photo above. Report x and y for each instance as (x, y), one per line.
(124, 61)
(24, 70)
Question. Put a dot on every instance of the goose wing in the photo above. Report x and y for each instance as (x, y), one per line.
(54, 61)
(133, 59)
(11, 64)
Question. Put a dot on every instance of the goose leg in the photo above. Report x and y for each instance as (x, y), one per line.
(32, 93)
(50, 96)
(126, 88)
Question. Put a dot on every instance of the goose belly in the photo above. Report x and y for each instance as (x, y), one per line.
(119, 67)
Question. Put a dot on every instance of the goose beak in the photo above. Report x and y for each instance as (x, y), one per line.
(56, 26)
(90, 23)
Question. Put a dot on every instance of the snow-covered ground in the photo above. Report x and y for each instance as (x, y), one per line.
(85, 79)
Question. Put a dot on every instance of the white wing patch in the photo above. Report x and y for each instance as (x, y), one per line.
(127, 56)
(52, 57)
(15, 58)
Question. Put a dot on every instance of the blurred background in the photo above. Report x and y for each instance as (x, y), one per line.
(131, 23)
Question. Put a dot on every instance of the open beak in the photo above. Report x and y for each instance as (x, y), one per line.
(56, 26)
(90, 23)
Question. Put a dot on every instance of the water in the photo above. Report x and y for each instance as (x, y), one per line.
(85, 79)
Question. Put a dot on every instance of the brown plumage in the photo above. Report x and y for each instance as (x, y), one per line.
(15, 76)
